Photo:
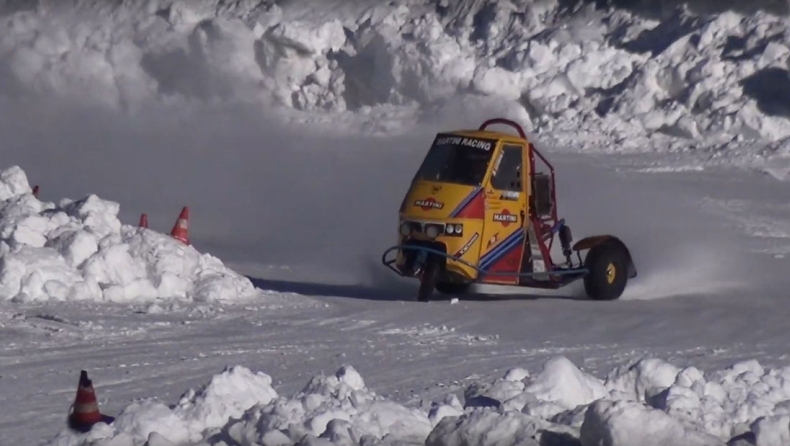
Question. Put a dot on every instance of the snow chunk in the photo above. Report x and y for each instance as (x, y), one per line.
(517, 374)
(491, 428)
(642, 380)
(309, 37)
(40, 274)
(13, 183)
(450, 407)
(147, 419)
(772, 431)
(350, 377)
(97, 215)
(561, 382)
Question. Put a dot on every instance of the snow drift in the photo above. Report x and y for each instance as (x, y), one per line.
(649, 402)
(79, 250)
(618, 79)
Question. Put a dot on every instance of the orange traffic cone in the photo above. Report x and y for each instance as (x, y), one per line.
(143, 221)
(35, 191)
(181, 229)
(86, 408)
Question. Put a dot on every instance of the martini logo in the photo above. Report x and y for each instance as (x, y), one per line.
(506, 218)
(428, 204)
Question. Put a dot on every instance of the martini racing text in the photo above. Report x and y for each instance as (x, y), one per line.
(465, 141)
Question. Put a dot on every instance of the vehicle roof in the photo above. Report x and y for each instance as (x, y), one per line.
(474, 133)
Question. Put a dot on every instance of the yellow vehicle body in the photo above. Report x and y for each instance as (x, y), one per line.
(490, 218)
(477, 211)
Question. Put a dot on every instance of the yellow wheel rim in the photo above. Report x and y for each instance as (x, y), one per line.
(611, 273)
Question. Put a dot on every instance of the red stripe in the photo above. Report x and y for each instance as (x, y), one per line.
(508, 263)
(475, 209)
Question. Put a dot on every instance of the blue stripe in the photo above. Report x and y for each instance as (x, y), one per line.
(509, 239)
(466, 201)
(509, 243)
(501, 253)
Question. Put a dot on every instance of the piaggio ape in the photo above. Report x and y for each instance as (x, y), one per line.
(478, 211)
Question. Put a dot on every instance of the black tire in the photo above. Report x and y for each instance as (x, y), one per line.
(453, 287)
(428, 280)
(608, 266)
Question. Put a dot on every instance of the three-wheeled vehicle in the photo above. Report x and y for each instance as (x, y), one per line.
(479, 211)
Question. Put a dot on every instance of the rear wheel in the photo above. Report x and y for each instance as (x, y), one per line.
(608, 266)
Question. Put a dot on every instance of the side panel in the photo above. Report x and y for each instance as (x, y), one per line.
(470, 212)
(504, 235)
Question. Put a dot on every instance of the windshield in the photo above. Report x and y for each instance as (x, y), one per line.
(457, 159)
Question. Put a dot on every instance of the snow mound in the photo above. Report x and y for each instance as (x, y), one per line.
(616, 79)
(649, 403)
(338, 409)
(79, 250)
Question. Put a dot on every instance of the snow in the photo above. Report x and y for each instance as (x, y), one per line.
(694, 353)
(241, 407)
(79, 250)
(708, 83)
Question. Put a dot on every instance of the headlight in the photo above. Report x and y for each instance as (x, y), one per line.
(454, 229)
(432, 231)
(405, 229)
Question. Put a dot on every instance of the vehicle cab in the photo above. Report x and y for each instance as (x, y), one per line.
(469, 199)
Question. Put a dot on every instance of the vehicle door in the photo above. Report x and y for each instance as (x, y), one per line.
(505, 213)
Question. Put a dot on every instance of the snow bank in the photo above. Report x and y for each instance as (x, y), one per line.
(79, 250)
(649, 402)
(611, 79)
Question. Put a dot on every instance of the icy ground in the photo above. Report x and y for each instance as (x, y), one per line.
(714, 297)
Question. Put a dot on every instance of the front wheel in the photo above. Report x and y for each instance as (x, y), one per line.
(608, 266)
(453, 287)
(428, 279)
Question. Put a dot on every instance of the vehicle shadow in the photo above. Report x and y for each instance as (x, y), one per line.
(395, 292)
